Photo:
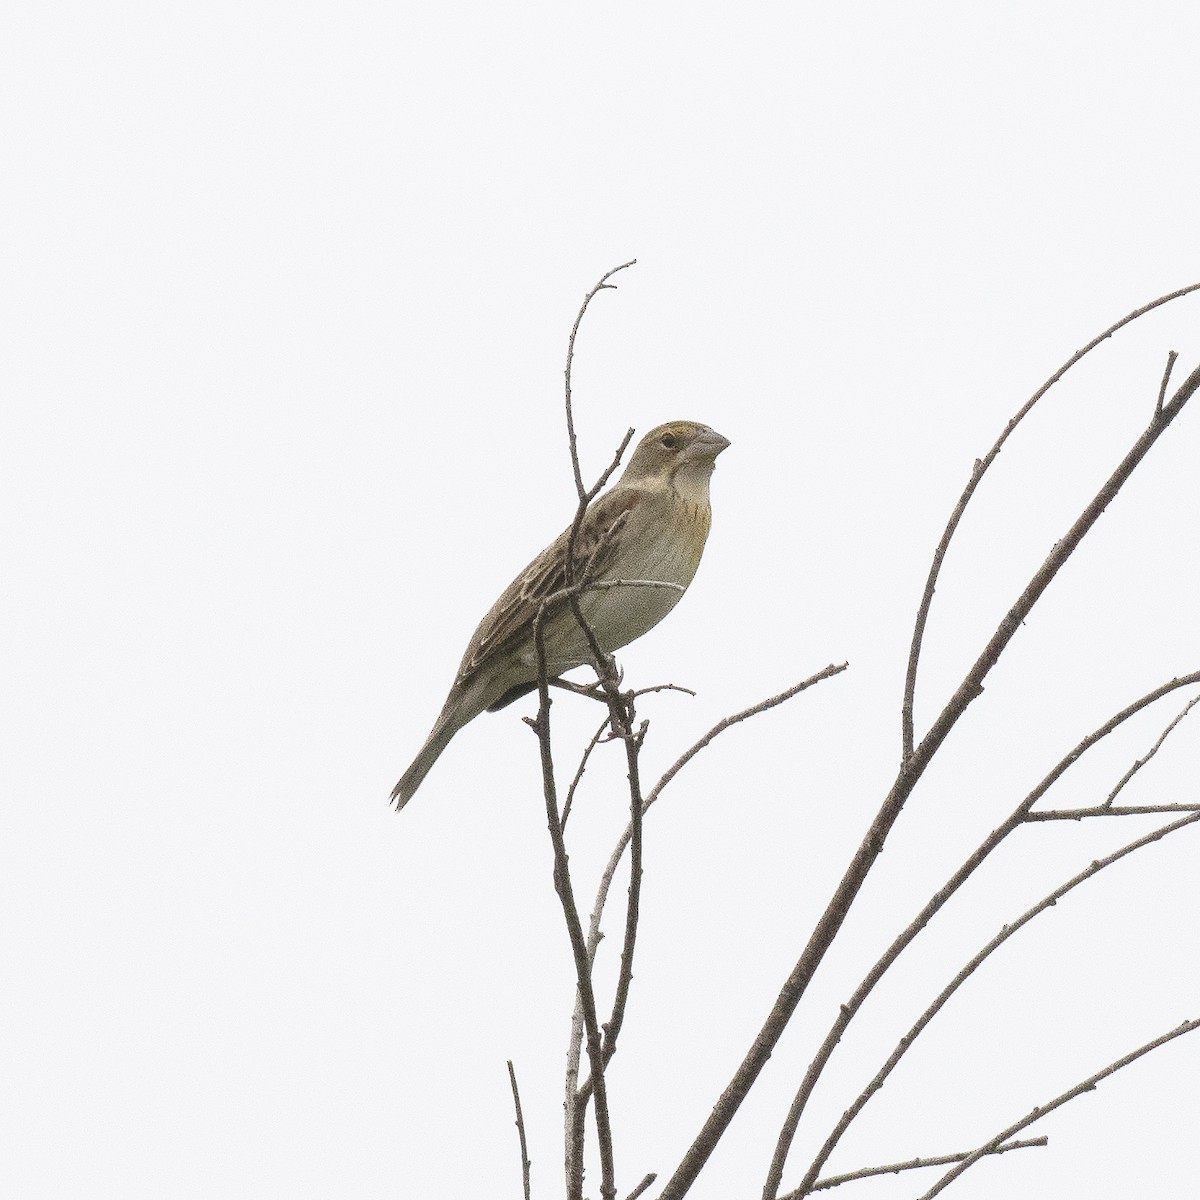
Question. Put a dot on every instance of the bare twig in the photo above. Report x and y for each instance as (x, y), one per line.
(664, 687)
(603, 285)
(641, 1187)
(1166, 379)
(525, 1163)
(599, 585)
(1141, 762)
(621, 716)
(614, 861)
(598, 737)
(593, 742)
(584, 990)
(918, 1027)
(1087, 1085)
(612, 1028)
(911, 770)
(848, 1010)
(913, 1164)
(981, 466)
(593, 691)
(1106, 810)
(735, 719)
(586, 495)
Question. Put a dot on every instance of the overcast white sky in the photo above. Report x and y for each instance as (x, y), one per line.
(286, 293)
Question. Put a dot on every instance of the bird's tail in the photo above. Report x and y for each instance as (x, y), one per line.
(437, 741)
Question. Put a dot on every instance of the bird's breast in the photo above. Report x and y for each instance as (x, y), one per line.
(661, 543)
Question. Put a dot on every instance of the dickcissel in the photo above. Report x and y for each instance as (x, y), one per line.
(651, 525)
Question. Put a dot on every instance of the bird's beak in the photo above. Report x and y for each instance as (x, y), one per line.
(711, 442)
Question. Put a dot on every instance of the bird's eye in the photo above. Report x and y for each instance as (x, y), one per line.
(669, 440)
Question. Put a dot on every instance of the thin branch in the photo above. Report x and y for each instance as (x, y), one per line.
(913, 1164)
(1166, 379)
(584, 990)
(1036, 1114)
(603, 285)
(583, 762)
(904, 939)
(641, 1187)
(906, 1041)
(614, 861)
(525, 1163)
(911, 770)
(621, 718)
(664, 687)
(593, 691)
(981, 466)
(586, 495)
(1105, 810)
(735, 719)
(589, 496)
(608, 681)
(612, 1027)
(1108, 809)
(1141, 762)
(598, 737)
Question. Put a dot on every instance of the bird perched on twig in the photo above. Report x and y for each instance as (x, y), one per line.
(650, 526)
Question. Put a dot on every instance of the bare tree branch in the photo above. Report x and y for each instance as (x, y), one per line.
(1036, 1114)
(587, 997)
(904, 939)
(981, 466)
(614, 861)
(918, 1027)
(912, 1164)
(911, 770)
(621, 717)
(525, 1163)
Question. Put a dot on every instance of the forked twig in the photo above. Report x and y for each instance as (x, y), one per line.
(911, 770)
(621, 717)
(603, 285)
(623, 841)
(906, 1041)
(981, 466)
(1108, 809)
(848, 1010)
(1141, 762)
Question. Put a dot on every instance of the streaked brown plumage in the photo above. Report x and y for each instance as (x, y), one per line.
(651, 525)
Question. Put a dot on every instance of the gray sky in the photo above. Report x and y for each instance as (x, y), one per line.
(286, 294)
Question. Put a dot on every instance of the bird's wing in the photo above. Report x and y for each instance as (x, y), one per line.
(511, 618)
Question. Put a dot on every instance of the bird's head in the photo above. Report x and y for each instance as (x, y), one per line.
(677, 446)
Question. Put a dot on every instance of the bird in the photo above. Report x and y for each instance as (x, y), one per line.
(651, 525)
